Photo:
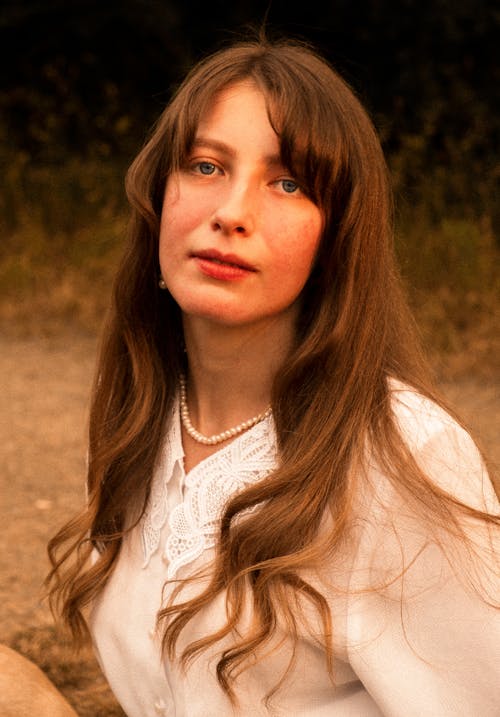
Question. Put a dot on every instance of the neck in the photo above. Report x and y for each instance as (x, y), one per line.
(231, 370)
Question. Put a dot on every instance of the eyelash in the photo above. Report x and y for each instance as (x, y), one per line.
(197, 167)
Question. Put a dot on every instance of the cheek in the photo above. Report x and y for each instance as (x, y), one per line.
(295, 244)
(177, 220)
(181, 214)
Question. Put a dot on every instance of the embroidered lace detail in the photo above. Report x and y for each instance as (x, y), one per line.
(194, 523)
(156, 513)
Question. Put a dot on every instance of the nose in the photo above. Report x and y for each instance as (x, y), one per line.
(235, 212)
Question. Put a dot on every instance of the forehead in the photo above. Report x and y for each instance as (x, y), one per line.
(236, 102)
(238, 114)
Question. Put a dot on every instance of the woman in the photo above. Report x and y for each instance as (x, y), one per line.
(282, 518)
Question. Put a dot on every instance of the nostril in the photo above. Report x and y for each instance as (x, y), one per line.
(221, 224)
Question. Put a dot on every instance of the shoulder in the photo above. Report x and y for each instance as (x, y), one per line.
(418, 417)
(413, 525)
(443, 449)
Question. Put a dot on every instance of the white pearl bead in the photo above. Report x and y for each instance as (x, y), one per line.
(218, 437)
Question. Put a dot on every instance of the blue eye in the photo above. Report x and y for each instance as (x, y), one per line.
(289, 186)
(206, 167)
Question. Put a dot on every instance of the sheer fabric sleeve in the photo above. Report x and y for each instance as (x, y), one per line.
(427, 640)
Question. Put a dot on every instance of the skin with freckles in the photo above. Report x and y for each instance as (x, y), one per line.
(238, 236)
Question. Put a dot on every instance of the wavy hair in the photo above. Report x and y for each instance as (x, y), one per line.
(330, 400)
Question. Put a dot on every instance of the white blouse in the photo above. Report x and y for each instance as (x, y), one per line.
(422, 645)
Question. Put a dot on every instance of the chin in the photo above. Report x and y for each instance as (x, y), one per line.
(221, 318)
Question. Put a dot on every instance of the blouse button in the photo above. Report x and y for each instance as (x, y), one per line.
(160, 707)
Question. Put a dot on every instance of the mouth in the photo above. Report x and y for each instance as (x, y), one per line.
(216, 257)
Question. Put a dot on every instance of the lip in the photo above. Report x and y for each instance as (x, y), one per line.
(221, 259)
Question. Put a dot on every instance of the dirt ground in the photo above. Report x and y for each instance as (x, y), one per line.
(45, 386)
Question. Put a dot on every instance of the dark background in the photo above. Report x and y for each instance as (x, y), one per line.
(88, 77)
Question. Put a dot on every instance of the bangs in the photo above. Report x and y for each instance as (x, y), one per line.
(301, 149)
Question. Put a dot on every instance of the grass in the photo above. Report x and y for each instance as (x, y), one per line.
(451, 272)
(62, 230)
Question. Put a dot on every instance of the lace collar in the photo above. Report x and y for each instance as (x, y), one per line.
(194, 522)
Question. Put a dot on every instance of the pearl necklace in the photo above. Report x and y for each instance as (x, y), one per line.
(217, 437)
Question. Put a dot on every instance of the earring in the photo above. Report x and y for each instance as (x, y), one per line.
(161, 283)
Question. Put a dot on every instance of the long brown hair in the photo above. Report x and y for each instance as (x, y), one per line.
(329, 402)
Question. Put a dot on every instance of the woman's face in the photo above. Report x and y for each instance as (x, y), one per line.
(238, 236)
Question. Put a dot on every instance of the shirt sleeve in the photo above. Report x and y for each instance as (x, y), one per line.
(426, 641)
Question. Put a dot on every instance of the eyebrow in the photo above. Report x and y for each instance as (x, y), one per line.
(271, 160)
